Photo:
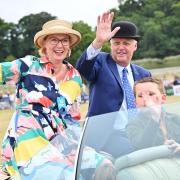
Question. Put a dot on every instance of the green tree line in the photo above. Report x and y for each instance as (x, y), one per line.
(158, 22)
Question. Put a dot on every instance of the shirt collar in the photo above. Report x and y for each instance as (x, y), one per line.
(127, 67)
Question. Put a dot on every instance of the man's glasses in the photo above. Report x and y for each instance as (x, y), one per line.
(55, 41)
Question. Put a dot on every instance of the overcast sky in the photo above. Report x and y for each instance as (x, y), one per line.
(71, 10)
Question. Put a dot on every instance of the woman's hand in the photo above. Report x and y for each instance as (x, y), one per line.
(74, 111)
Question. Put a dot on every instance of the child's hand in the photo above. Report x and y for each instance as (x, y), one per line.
(173, 145)
(148, 102)
(153, 108)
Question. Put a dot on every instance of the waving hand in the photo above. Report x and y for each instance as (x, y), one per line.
(103, 32)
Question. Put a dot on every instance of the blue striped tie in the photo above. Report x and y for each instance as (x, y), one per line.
(130, 100)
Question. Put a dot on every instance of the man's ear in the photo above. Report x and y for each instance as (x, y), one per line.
(136, 46)
(163, 98)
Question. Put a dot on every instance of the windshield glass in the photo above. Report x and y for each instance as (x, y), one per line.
(139, 144)
(56, 160)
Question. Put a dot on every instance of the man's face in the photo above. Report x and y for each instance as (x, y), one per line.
(122, 50)
(148, 94)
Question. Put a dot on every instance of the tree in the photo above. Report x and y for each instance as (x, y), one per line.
(87, 35)
(159, 25)
(28, 26)
(4, 39)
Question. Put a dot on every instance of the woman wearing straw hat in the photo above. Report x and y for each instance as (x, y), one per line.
(39, 123)
(61, 38)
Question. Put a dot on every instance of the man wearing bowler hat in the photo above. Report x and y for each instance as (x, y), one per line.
(109, 91)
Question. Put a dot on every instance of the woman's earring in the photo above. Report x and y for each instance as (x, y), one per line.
(69, 53)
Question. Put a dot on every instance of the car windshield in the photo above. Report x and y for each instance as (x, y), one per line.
(140, 144)
(56, 160)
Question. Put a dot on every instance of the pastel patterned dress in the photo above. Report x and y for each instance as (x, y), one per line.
(36, 137)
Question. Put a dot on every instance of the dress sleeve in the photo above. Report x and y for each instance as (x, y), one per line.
(10, 72)
(71, 86)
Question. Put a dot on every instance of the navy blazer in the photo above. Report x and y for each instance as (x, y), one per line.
(105, 88)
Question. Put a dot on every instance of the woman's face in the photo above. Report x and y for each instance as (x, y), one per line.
(57, 47)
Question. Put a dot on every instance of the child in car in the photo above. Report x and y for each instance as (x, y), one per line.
(153, 126)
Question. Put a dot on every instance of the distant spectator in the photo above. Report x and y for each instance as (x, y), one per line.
(12, 100)
(176, 81)
(1, 95)
(84, 97)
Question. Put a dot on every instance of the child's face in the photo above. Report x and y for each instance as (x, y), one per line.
(148, 94)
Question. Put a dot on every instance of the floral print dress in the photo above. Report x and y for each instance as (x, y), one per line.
(39, 119)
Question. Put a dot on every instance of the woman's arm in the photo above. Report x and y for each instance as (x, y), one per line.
(10, 72)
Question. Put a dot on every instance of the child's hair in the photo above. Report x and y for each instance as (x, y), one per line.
(157, 81)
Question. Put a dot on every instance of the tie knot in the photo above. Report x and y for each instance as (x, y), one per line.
(125, 70)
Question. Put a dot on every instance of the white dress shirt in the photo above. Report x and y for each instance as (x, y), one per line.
(92, 52)
(131, 81)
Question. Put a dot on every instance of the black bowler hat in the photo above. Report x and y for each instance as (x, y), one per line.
(127, 30)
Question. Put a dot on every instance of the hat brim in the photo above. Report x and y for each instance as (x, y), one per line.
(74, 35)
(137, 38)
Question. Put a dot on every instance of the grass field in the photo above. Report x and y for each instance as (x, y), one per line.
(5, 116)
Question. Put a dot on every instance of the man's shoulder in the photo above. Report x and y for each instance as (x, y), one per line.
(140, 69)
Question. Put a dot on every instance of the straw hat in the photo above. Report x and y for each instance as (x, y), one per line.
(57, 27)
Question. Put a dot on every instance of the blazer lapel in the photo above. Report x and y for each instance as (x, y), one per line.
(136, 74)
(114, 70)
